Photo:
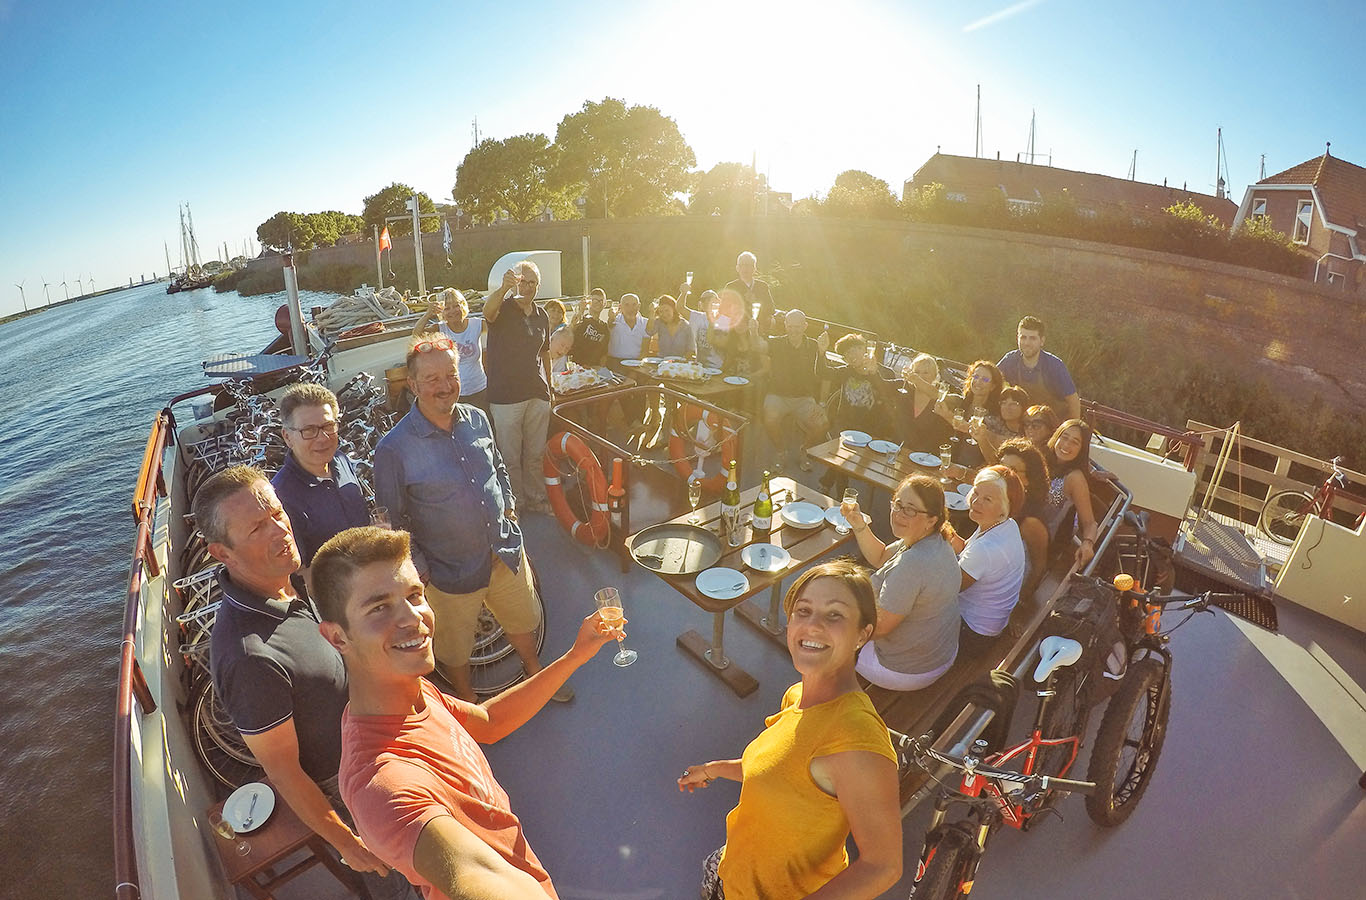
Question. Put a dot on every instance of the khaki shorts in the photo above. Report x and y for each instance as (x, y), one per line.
(509, 596)
(808, 413)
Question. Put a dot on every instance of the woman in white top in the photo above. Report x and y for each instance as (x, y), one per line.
(467, 333)
(992, 560)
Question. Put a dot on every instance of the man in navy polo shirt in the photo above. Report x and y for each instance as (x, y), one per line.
(317, 484)
(282, 684)
(1040, 373)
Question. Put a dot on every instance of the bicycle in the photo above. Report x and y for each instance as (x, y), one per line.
(1285, 511)
(1131, 662)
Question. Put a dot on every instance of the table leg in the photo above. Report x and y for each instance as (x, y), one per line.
(713, 656)
(769, 624)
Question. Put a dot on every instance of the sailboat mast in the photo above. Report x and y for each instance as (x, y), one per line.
(184, 243)
(194, 241)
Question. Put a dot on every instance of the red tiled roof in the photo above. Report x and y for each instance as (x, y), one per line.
(1342, 187)
(977, 177)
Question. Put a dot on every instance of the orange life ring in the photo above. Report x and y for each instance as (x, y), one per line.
(569, 447)
(681, 451)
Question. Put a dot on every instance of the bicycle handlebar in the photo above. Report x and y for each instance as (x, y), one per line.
(921, 749)
(1178, 599)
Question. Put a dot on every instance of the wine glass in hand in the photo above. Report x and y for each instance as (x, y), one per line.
(613, 616)
(850, 502)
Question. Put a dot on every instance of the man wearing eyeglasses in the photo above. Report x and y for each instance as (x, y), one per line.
(317, 484)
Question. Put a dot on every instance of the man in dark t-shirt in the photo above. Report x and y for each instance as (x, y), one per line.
(591, 333)
(796, 366)
(282, 684)
(518, 365)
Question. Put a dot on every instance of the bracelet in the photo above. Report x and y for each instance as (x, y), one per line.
(1091, 541)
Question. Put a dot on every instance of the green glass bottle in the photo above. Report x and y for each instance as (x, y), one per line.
(763, 512)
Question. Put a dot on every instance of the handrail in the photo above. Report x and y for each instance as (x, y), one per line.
(132, 684)
(1094, 412)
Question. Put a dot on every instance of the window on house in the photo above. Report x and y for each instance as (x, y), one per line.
(957, 196)
(1258, 206)
(1022, 206)
(1304, 216)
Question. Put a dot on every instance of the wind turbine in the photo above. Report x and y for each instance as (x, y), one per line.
(22, 299)
(47, 295)
(65, 290)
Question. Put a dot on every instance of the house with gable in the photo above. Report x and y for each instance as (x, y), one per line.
(1321, 205)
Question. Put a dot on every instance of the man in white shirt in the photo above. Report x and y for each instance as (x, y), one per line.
(629, 340)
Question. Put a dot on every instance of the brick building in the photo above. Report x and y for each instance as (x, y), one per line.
(1321, 204)
(974, 180)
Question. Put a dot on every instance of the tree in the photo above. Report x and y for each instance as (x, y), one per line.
(631, 160)
(730, 188)
(393, 201)
(857, 194)
(283, 230)
(518, 175)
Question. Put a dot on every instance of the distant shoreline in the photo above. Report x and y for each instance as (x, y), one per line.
(37, 309)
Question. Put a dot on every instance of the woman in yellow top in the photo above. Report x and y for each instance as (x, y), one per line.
(822, 769)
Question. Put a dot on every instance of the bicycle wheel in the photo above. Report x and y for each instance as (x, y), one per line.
(1064, 714)
(217, 742)
(1283, 515)
(945, 872)
(1128, 743)
(494, 667)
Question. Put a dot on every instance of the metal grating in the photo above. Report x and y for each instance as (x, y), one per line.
(1259, 610)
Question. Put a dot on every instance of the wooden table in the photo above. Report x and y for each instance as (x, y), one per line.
(805, 545)
(282, 835)
(714, 386)
(618, 382)
(873, 468)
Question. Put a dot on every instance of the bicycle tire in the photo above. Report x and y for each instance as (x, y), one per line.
(1064, 714)
(944, 874)
(494, 667)
(217, 742)
(1129, 742)
(1283, 514)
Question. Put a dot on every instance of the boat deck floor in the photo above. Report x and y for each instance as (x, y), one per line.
(1256, 793)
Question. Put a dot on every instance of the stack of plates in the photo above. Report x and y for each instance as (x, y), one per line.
(955, 500)
(928, 460)
(802, 515)
(855, 439)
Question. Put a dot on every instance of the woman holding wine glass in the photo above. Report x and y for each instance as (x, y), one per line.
(821, 770)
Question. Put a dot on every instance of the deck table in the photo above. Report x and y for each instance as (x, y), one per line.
(805, 545)
(873, 468)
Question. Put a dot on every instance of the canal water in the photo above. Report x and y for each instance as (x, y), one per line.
(79, 386)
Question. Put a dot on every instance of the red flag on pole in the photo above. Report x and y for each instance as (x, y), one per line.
(384, 242)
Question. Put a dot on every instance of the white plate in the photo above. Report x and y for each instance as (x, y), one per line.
(710, 370)
(766, 557)
(735, 379)
(928, 460)
(955, 500)
(631, 363)
(880, 446)
(802, 515)
(722, 583)
(836, 518)
(652, 360)
(963, 489)
(855, 438)
(238, 805)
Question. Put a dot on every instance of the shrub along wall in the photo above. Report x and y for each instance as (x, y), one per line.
(1162, 336)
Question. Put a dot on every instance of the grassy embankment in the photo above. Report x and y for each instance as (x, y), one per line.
(864, 275)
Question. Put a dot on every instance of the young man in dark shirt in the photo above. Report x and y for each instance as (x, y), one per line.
(797, 364)
(591, 332)
(518, 366)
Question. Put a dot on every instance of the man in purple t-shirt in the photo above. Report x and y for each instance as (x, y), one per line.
(1039, 372)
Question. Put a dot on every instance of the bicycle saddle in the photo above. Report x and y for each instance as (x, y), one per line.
(1055, 652)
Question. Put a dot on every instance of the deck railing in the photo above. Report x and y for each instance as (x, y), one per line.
(1256, 469)
(132, 686)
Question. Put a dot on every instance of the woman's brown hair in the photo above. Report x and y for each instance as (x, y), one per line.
(928, 491)
(847, 572)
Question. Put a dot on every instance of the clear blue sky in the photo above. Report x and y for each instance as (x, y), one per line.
(113, 113)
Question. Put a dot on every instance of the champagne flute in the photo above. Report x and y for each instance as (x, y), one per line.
(694, 498)
(608, 600)
(225, 830)
(945, 460)
(850, 496)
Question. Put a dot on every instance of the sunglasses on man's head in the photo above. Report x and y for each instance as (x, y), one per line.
(440, 343)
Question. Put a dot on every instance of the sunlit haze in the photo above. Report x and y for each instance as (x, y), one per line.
(113, 114)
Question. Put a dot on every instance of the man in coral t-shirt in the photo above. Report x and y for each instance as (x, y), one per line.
(412, 773)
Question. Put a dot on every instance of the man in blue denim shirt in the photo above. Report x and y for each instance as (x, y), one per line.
(442, 478)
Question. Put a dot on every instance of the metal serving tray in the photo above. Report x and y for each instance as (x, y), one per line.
(674, 548)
